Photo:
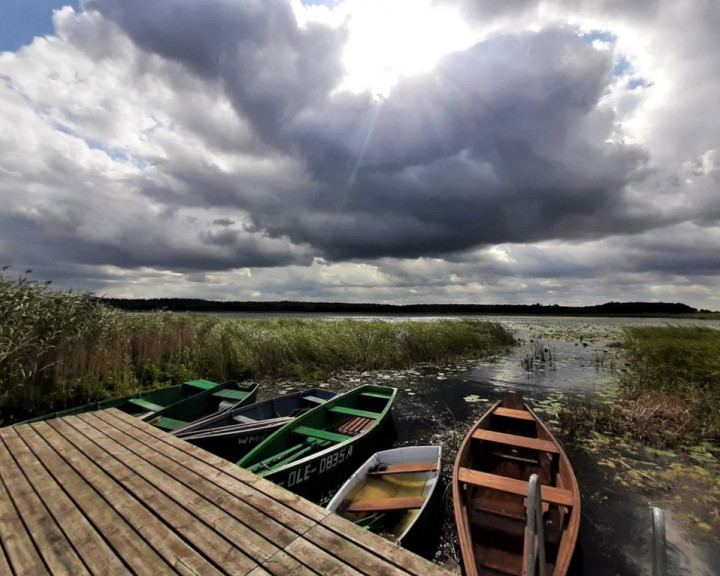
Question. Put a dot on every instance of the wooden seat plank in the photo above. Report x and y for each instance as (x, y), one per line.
(321, 434)
(146, 405)
(202, 384)
(512, 413)
(515, 440)
(383, 504)
(407, 468)
(354, 412)
(314, 399)
(515, 486)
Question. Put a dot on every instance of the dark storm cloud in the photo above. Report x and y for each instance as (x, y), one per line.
(504, 142)
(269, 66)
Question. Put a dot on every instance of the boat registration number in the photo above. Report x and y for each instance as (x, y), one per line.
(310, 469)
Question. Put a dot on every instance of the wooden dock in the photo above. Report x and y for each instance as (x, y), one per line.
(103, 493)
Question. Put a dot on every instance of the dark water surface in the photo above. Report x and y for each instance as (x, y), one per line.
(558, 358)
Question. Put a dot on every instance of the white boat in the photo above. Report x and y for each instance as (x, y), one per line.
(395, 494)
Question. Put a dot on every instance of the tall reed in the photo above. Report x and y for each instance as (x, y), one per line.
(60, 349)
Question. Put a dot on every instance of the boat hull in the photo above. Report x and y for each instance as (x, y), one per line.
(398, 495)
(325, 441)
(492, 469)
(233, 433)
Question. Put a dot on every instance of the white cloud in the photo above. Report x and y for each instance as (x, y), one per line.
(519, 152)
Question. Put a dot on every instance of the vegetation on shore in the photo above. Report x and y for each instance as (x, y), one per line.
(671, 390)
(60, 349)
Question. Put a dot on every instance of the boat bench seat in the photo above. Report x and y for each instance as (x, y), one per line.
(512, 413)
(145, 405)
(230, 394)
(408, 468)
(514, 486)
(314, 399)
(353, 426)
(353, 412)
(375, 395)
(202, 384)
(240, 419)
(516, 441)
(383, 504)
(320, 434)
(166, 423)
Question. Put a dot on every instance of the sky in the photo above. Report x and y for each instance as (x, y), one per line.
(392, 151)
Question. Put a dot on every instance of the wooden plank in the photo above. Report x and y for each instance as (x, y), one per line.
(238, 522)
(320, 434)
(512, 413)
(515, 440)
(124, 523)
(201, 546)
(69, 532)
(287, 508)
(384, 504)
(4, 562)
(370, 553)
(16, 542)
(514, 486)
(354, 412)
(322, 561)
(407, 468)
(145, 405)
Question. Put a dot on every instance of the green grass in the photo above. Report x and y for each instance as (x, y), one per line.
(671, 390)
(60, 349)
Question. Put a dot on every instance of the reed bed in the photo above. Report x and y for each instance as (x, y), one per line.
(60, 349)
(671, 390)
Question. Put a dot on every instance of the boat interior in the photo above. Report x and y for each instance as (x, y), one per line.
(505, 449)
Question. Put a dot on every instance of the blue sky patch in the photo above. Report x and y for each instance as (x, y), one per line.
(23, 20)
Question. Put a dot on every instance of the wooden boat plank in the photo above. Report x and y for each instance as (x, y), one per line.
(166, 423)
(514, 486)
(287, 508)
(202, 384)
(515, 440)
(407, 468)
(320, 434)
(113, 513)
(81, 536)
(512, 413)
(145, 404)
(375, 395)
(354, 412)
(193, 515)
(384, 504)
(314, 399)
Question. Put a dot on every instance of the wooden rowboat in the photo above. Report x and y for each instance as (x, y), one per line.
(144, 402)
(233, 433)
(314, 444)
(394, 494)
(213, 399)
(490, 488)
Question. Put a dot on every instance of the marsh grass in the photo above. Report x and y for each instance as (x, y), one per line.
(671, 390)
(60, 349)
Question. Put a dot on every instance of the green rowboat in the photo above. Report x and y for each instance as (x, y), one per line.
(318, 442)
(148, 402)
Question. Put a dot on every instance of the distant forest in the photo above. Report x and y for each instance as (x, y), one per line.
(198, 305)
